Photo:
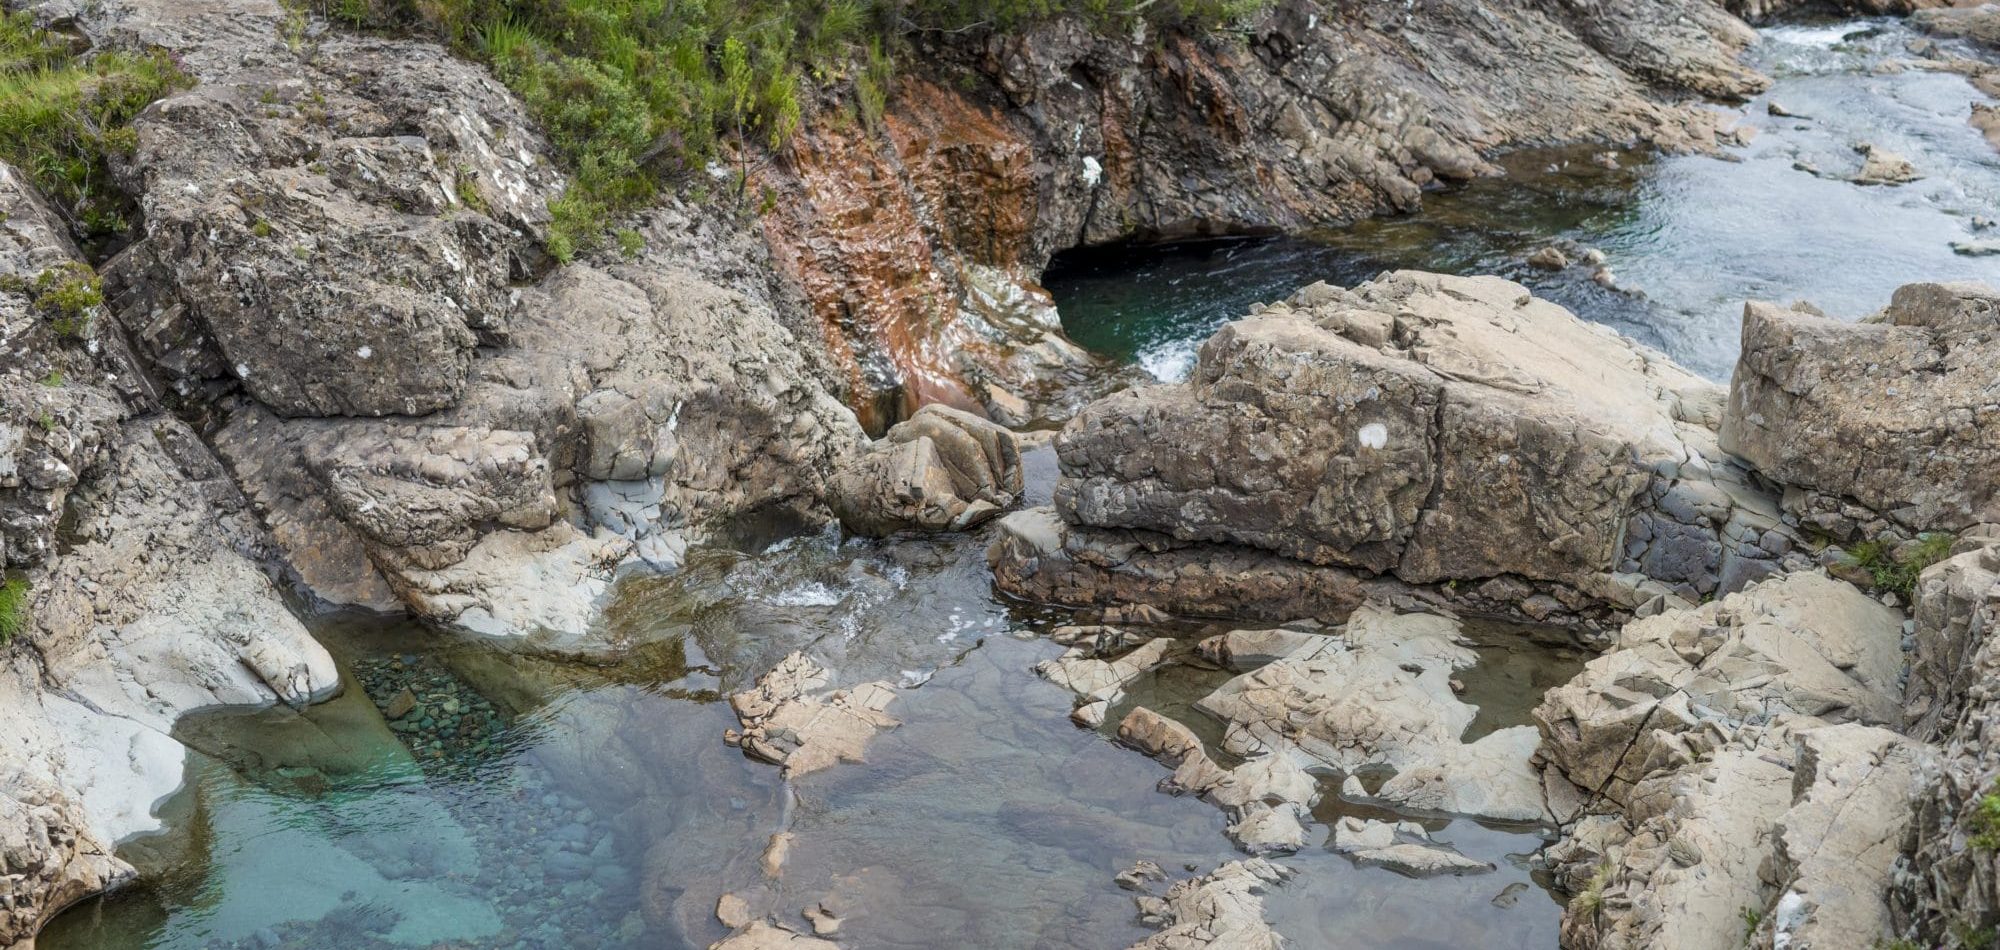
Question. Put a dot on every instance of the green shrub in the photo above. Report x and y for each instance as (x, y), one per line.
(1983, 821)
(62, 117)
(13, 608)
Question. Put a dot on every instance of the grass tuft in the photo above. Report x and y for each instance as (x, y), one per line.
(13, 608)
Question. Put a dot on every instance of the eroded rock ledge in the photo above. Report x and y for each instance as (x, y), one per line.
(1430, 428)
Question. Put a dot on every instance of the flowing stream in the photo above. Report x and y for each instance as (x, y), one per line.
(467, 793)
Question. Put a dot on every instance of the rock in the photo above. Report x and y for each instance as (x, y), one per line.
(1801, 644)
(1896, 415)
(1268, 797)
(1101, 680)
(1487, 434)
(1249, 649)
(400, 705)
(1403, 847)
(1773, 108)
(1223, 910)
(760, 935)
(1879, 166)
(1140, 876)
(1980, 248)
(1781, 835)
(1548, 258)
(1378, 695)
(732, 911)
(919, 245)
(787, 723)
(1947, 876)
(939, 470)
(1979, 23)
(1038, 557)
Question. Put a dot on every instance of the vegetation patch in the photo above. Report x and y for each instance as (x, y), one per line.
(67, 295)
(1983, 822)
(62, 117)
(630, 90)
(13, 608)
(1878, 558)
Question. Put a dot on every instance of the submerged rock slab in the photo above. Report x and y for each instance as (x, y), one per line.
(1889, 423)
(787, 723)
(1378, 695)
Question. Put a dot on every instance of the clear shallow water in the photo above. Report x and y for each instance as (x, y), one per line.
(1688, 238)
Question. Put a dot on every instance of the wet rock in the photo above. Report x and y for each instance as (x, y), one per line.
(1879, 166)
(1140, 876)
(918, 246)
(1895, 415)
(732, 911)
(939, 470)
(1223, 910)
(1548, 258)
(1378, 695)
(1979, 23)
(1801, 644)
(760, 935)
(1404, 847)
(1268, 797)
(1104, 680)
(1981, 248)
(788, 722)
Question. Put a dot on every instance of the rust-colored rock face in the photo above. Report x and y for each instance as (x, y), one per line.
(918, 243)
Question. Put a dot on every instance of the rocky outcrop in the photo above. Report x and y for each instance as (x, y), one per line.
(1887, 426)
(919, 241)
(1732, 773)
(339, 272)
(1979, 23)
(1948, 881)
(1268, 796)
(939, 470)
(1781, 835)
(1799, 645)
(1433, 428)
(791, 719)
(139, 598)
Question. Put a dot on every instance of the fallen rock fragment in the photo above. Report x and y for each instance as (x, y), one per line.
(1879, 166)
(1404, 847)
(939, 470)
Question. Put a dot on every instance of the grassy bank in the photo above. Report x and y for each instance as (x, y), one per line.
(63, 116)
(631, 91)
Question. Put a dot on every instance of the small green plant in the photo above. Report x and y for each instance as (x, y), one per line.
(1878, 558)
(63, 118)
(262, 228)
(467, 187)
(13, 608)
(54, 379)
(1752, 918)
(1590, 900)
(630, 242)
(1982, 820)
(1968, 937)
(67, 294)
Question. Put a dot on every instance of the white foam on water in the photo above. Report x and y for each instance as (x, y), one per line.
(1170, 362)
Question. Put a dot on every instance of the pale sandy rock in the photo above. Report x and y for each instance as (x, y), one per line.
(1404, 847)
(1268, 798)
(1879, 166)
(1898, 416)
(1802, 644)
(1957, 610)
(790, 719)
(1221, 910)
(760, 935)
(1094, 679)
(732, 911)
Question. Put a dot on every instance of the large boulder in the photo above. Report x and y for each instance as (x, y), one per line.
(1434, 428)
(1888, 424)
(1802, 644)
(939, 470)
